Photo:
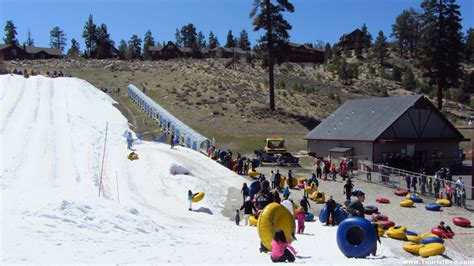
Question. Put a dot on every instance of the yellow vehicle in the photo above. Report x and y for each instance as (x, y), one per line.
(274, 145)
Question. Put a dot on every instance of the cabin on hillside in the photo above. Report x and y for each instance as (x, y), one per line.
(171, 50)
(11, 52)
(33, 52)
(230, 52)
(404, 131)
(300, 53)
(349, 40)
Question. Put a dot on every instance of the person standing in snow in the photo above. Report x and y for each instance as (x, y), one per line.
(277, 179)
(331, 205)
(304, 203)
(348, 189)
(301, 216)
(248, 208)
(172, 141)
(272, 178)
(237, 217)
(244, 191)
(288, 205)
(129, 141)
(190, 199)
(356, 209)
(290, 179)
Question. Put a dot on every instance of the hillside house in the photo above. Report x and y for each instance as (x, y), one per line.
(300, 53)
(11, 52)
(349, 40)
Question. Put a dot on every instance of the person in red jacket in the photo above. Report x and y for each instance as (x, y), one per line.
(300, 216)
(282, 251)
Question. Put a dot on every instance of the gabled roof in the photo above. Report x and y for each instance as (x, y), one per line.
(50, 51)
(363, 120)
(5, 46)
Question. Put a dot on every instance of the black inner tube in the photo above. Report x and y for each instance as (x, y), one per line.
(355, 236)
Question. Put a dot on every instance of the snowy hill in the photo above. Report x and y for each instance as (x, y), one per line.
(52, 141)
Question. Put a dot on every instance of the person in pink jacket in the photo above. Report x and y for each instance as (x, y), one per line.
(301, 215)
(281, 248)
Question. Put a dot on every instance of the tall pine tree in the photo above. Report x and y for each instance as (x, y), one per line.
(123, 50)
(441, 44)
(213, 41)
(366, 38)
(230, 40)
(57, 38)
(188, 35)
(178, 39)
(74, 51)
(10, 33)
(134, 47)
(244, 42)
(469, 51)
(148, 41)
(104, 45)
(90, 36)
(268, 16)
(406, 30)
(29, 40)
(380, 48)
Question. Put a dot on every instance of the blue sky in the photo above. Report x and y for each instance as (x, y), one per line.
(313, 20)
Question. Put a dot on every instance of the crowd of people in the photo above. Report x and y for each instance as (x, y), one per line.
(27, 73)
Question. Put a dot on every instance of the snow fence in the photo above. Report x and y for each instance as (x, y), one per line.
(187, 136)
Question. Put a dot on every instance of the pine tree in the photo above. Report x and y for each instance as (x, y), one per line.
(90, 36)
(188, 35)
(104, 45)
(122, 50)
(441, 44)
(469, 51)
(74, 51)
(57, 38)
(275, 38)
(230, 40)
(178, 39)
(10, 33)
(381, 48)
(366, 38)
(327, 53)
(201, 40)
(408, 80)
(134, 47)
(244, 42)
(29, 40)
(213, 42)
(406, 31)
(148, 41)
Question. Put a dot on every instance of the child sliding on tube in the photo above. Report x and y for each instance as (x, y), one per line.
(281, 249)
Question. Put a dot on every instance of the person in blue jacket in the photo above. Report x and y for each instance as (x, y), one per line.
(129, 141)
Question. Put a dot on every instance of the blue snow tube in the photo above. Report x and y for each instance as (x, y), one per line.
(356, 237)
(433, 206)
(340, 215)
(309, 217)
(254, 188)
(355, 192)
(323, 215)
(255, 163)
(429, 240)
(410, 233)
(222, 154)
(416, 199)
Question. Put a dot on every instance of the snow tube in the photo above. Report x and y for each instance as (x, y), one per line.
(197, 197)
(309, 217)
(370, 209)
(399, 227)
(441, 233)
(432, 249)
(254, 188)
(255, 163)
(429, 240)
(412, 248)
(340, 215)
(294, 182)
(253, 173)
(433, 206)
(356, 237)
(355, 192)
(379, 217)
(413, 237)
(380, 230)
(461, 221)
(383, 200)
(318, 197)
(408, 196)
(416, 199)
(396, 234)
(428, 235)
(387, 224)
(132, 156)
(310, 190)
(323, 215)
(401, 192)
(406, 203)
(410, 233)
(275, 217)
(301, 182)
(444, 202)
(253, 221)
(282, 182)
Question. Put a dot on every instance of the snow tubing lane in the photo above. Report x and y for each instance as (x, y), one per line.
(461, 221)
(356, 237)
(401, 192)
(383, 200)
(430, 240)
(433, 206)
(370, 209)
(432, 249)
(441, 233)
(254, 188)
(198, 197)
(275, 217)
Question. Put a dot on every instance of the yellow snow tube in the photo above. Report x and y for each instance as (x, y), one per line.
(414, 239)
(399, 227)
(294, 182)
(432, 249)
(380, 230)
(406, 203)
(198, 197)
(253, 221)
(132, 156)
(396, 234)
(282, 182)
(423, 236)
(412, 248)
(318, 196)
(310, 190)
(444, 202)
(253, 173)
(414, 194)
(275, 217)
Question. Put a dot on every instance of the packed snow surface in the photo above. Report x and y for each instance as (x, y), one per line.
(52, 142)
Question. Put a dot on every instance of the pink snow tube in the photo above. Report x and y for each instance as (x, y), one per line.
(461, 221)
(382, 200)
(387, 224)
(401, 192)
(379, 217)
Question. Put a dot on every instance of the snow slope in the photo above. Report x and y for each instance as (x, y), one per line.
(52, 140)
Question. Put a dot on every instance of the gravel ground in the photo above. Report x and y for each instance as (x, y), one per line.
(416, 219)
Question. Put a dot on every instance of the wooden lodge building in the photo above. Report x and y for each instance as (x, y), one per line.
(300, 53)
(13, 52)
(404, 131)
(349, 40)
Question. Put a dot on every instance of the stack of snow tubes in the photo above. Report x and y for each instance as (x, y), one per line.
(426, 245)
